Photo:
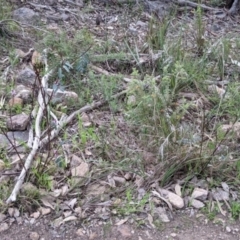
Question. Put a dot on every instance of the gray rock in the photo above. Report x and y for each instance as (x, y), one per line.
(220, 195)
(4, 227)
(197, 204)
(27, 77)
(65, 17)
(161, 212)
(200, 194)
(25, 95)
(173, 198)
(18, 122)
(62, 96)
(19, 136)
(26, 16)
(228, 229)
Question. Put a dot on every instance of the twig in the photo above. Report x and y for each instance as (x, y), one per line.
(35, 147)
(39, 144)
(234, 8)
(194, 5)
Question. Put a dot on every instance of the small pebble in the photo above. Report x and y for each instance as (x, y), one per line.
(228, 229)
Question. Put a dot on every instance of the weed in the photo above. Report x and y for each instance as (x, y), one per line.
(210, 212)
(131, 205)
(235, 210)
(42, 179)
(157, 33)
(200, 27)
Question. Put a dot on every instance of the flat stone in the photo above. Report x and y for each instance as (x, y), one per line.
(4, 227)
(197, 204)
(61, 96)
(18, 122)
(27, 77)
(174, 199)
(200, 194)
(161, 212)
(220, 194)
(19, 136)
(228, 229)
(25, 94)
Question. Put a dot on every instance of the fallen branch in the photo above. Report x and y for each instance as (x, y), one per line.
(38, 144)
(234, 8)
(194, 5)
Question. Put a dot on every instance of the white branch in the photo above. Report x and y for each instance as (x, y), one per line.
(39, 144)
(42, 99)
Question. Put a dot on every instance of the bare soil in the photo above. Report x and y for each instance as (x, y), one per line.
(181, 227)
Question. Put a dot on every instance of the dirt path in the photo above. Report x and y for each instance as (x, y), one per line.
(182, 227)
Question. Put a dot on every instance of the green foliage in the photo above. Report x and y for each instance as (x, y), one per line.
(42, 179)
(157, 33)
(235, 210)
(86, 134)
(153, 99)
(5, 190)
(131, 205)
(200, 30)
(5, 10)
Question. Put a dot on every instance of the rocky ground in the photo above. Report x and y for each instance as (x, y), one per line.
(182, 226)
(103, 212)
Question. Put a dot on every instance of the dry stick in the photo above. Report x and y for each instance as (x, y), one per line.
(35, 147)
(65, 120)
(39, 144)
(234, 7)
(194, 5)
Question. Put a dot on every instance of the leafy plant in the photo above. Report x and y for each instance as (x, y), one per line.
(235, 210)
(131, 205)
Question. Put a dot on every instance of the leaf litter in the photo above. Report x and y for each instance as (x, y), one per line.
(102, 172)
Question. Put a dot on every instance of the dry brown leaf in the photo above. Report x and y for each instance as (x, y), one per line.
(119, 179)
(78, 210)
(67, 213)
(121, 221)
(71, 203)
(80, 170)
(150, 220)
(70, 218)
(37, 59)
(96, 189)
(48, 202)
(65, 190)
(178, 190)
(139, 181)
(111, 181)
(19, 53)
(88, 153)
(57, 222)
(75, 161)
(35, 215)
(56, 193)
(220, 208)
(44, 211)
(155, 193)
